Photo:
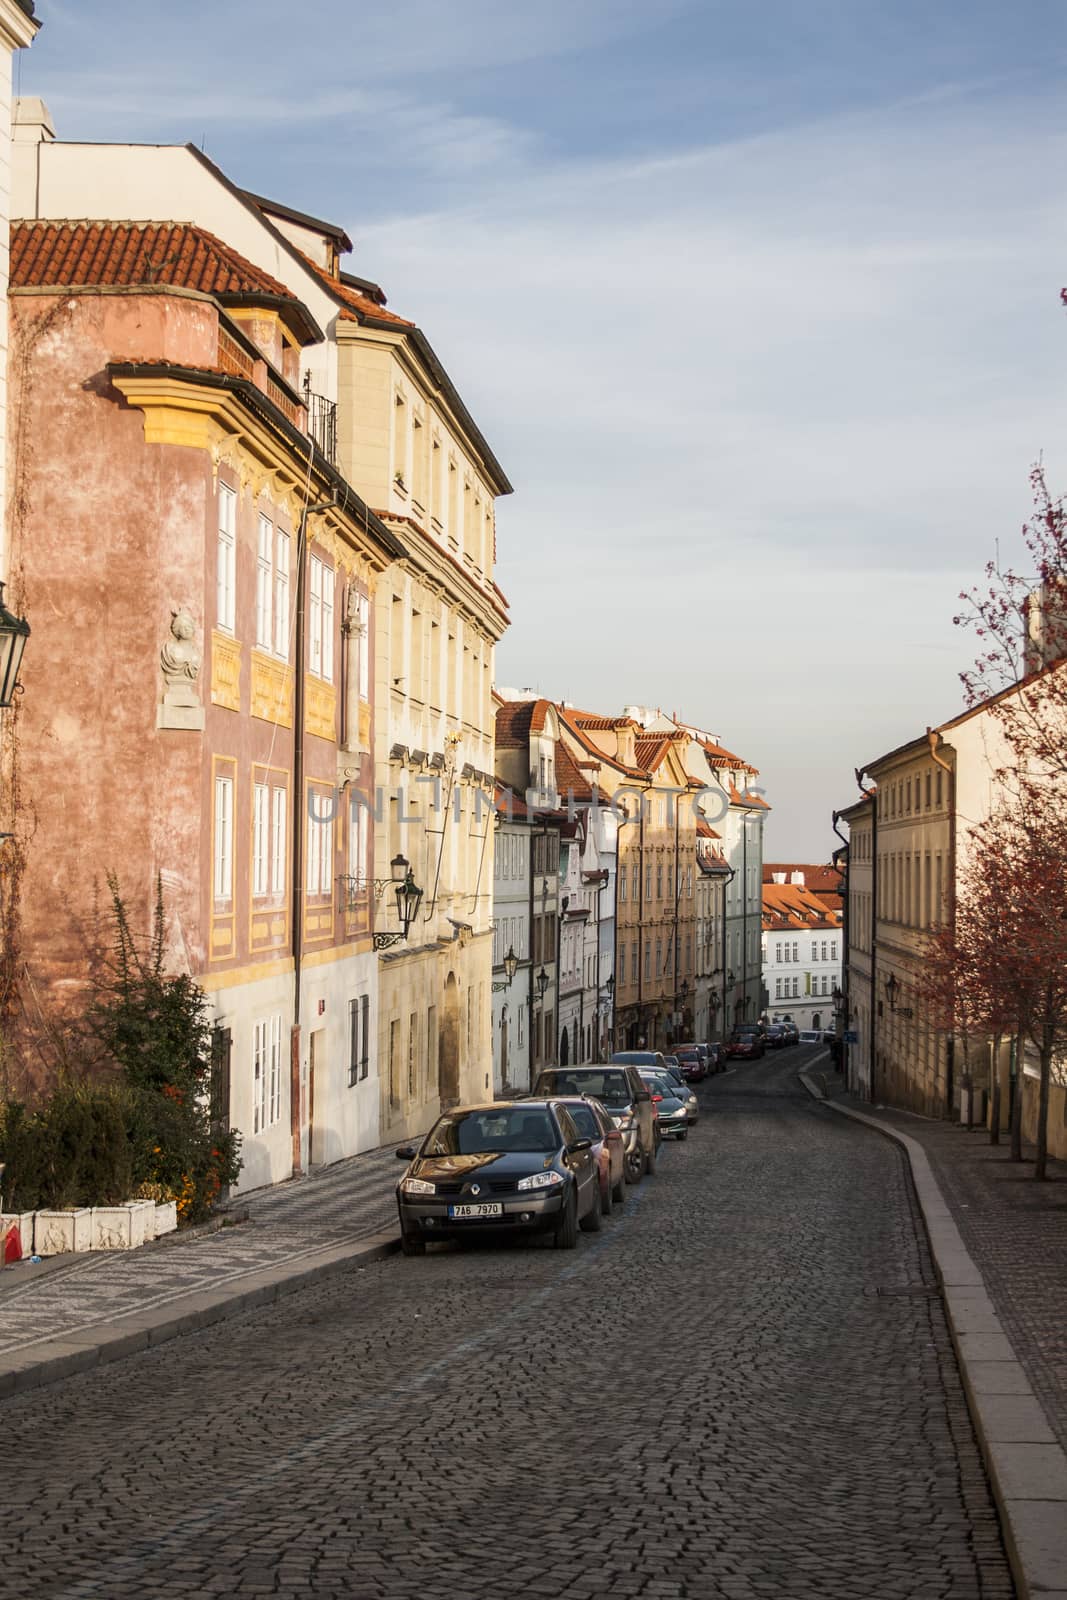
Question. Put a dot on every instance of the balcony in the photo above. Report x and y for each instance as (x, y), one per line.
(322, 421)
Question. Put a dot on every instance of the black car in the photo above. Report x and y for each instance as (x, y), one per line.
(777, 1037)
(501, 1167)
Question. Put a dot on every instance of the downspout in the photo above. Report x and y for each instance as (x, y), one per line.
(299, 802)
(744, 916)
(845, 950)
(934, 739)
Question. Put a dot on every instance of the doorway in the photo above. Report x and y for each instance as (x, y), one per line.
(448, 1046)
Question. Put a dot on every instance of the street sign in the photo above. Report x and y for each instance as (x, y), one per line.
(851, 1036)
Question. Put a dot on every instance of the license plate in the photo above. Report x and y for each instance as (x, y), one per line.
(484, 1208)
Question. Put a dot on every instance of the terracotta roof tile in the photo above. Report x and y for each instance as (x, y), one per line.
(571, 781)
(105, 254)
(357, 307)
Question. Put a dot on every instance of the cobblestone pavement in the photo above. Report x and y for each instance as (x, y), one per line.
(742, 1387)
(1016, 1232)
(351, 1200)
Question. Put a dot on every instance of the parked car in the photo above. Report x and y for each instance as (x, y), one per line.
(641, 1058)
(693, 1060)
(792, 1032)
(507, 1166)
(809, 1036)
(717, 1057)
(777, 1037)
(829, 1035)
(625, 1097)
(687, 1095)
(593, 1122)
(745, 1044)
(673, 1114)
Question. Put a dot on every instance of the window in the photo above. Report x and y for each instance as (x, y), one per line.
(223, 838)
(824, 949)
(225, 564)
(266, 1072)
(648, 962)
(777, 988)
(363, 634)
(358, 1038)
(264, 583)
(659, 958)
(260, 837)
(320, 621)
(796, 952)
(814, 951)
(648, 883)
(413, 1040)
(279, 841)
(320, 845)
(394, 1062)
(622, 883)
(778, 951)
(833, 949)
(633, 963)
(796, 987)
(659, 880)
(281, 595)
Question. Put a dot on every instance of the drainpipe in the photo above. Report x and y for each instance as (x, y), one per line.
(935, 739)
(845, 964)
(299, 803)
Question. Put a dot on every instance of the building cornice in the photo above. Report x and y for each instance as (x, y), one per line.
(234, 423)
(18, 24)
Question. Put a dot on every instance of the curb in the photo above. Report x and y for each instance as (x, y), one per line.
(1027, 1467)
(52, 1359)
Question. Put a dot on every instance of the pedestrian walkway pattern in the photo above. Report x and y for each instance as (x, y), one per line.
(1016, 1232)
(294, 1221)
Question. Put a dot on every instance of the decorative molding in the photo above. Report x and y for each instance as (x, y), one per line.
(272, 690)
(225, 671)
(321, 713)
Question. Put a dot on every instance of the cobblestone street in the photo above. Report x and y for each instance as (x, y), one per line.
(742, 1387)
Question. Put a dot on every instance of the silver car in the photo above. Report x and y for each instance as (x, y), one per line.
(672, 1112)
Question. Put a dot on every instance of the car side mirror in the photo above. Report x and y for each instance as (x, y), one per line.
(578, 1145)
(406, 1152)
(643, 1098)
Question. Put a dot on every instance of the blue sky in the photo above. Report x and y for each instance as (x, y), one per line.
(757, 305)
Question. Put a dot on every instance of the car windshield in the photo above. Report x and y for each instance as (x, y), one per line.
(585, 1121)
(610, 1087)
(660, 1085)
(499, 1129)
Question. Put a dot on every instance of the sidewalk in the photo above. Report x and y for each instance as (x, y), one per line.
(999, 1242)
(73, 1311)
(1014, 1229)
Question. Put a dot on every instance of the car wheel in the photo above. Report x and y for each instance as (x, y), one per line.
(590, 1223)
(618, 1193)
(635, 1166)
(566, 1234)
(650, 1163)
(412, 1246)
(605, 1198)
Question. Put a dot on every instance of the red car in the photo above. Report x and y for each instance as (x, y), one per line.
(593, 1122)
(692, 1061)
(746, 1044)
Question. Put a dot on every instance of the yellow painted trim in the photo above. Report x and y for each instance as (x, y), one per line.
(321, 714)
(225, 671)
(212, 981)
(339, 952)
(271, 690)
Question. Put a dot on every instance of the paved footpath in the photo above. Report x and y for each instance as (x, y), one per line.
(744, 1387)
(288, 1228)
(1015, 1230)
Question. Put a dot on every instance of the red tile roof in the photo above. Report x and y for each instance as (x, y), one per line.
(510, 803)
(788, 905)
(516, 720)
(571, 781)
(820, 879)
(179, 255)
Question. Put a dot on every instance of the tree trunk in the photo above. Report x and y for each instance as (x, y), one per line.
(994, 1091)
(1017, 1099)
(1042, 1104)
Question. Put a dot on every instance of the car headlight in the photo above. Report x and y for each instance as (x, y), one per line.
(416, 1186)
(540, 1180)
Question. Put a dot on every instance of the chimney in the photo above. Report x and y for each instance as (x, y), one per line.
(1046, 625)
(32, 121)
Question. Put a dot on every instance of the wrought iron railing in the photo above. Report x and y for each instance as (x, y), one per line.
(322, 421)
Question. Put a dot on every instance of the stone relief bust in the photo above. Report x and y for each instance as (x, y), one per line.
(179, 661)
(180, 658)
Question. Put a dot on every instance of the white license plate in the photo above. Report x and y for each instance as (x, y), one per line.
(484, 1208)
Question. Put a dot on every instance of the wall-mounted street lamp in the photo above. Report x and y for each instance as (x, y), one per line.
(14, 631)
(511, 962)
(892, 989)
(542, 980)
(408, 900)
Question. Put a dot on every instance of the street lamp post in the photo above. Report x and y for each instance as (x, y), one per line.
(14, 631)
